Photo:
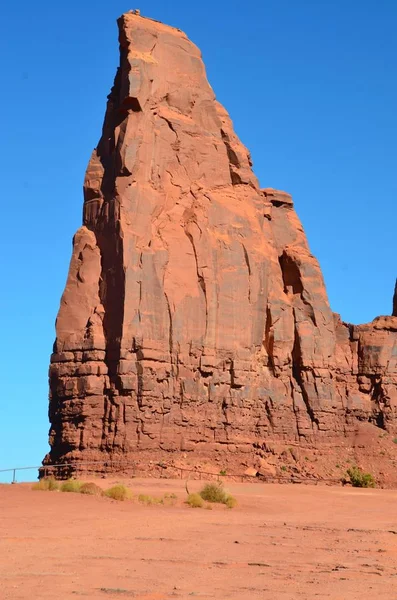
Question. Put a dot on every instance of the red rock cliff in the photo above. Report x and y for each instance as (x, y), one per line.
(194, 316)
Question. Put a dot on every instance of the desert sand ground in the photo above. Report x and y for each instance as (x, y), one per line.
(282, 542)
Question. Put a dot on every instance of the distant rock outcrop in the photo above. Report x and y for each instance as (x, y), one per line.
(194, 316)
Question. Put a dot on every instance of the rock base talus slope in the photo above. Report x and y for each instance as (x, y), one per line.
(194, 316)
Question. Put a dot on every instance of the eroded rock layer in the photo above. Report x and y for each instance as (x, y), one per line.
(194, 316)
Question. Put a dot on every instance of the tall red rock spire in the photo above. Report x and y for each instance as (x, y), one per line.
(194, 316)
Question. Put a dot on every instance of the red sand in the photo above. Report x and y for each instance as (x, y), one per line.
(281, 542)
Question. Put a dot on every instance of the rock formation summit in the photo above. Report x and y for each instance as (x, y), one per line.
(195, 321)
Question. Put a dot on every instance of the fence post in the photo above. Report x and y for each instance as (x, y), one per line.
(14, 480)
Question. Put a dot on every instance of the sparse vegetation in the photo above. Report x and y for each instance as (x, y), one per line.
(214, 492)
(222, 472)
(283, 468)
(170, 499)
(195, 501)
(149, 500)
(91, 489)
(118, 492)
(360, 479)
(395, 440)
(72, 485)
(210, 494)
(230, 502)
(47, 484)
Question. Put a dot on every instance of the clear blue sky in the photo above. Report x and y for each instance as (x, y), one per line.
(311, 87)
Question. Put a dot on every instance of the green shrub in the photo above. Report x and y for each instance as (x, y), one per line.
(360, 479)
(118, 492)
(195, 501)
(214, 492)
(395, 440)
(47, 484)
(222, 472)
(91, 489)
(72, 485)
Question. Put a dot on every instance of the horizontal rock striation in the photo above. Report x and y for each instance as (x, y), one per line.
(194, 316)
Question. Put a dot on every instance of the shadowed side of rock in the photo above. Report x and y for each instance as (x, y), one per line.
(194, 317)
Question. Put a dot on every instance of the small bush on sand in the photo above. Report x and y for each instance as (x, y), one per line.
(360, 479)
(170, 499)
(195, 501)
(149, 500)
(230, 502)
(72, 485)
(91, 489)
(47, 484)
(118, 492)
(214, 492)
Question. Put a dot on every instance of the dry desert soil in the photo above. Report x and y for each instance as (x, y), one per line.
(282, 542)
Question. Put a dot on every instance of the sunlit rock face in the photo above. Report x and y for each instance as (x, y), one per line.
(194, 317)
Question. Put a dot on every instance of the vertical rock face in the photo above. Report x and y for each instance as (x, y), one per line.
(194, 316)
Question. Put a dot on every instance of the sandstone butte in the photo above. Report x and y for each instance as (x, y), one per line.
(195, 327)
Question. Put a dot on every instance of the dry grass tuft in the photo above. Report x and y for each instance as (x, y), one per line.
(149, 500)
(195, 501)
(230, 501)
(170, 499)
(47, 484)
(214, 492)
(118, 492)
(91, 489)
(72, 485)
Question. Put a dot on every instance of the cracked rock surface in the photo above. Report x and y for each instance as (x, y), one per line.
(194, 316)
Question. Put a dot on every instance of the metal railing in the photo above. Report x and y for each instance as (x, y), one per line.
(72, 467)
(111, 470)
